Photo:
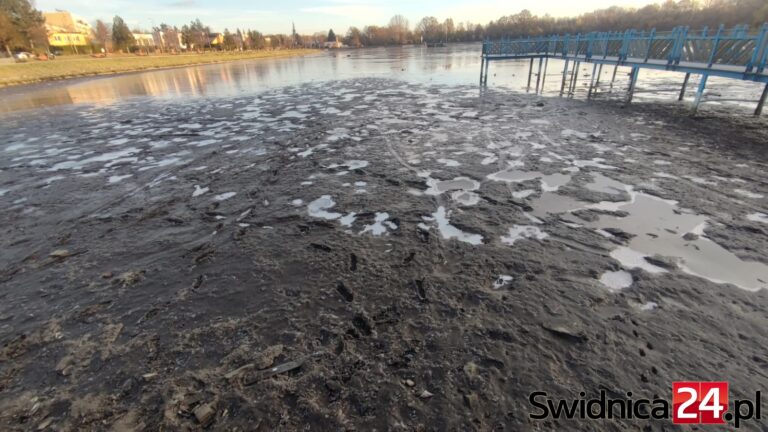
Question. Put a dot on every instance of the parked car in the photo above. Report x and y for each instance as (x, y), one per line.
(23, 56)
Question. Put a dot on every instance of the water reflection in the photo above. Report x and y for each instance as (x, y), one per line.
(456, 64)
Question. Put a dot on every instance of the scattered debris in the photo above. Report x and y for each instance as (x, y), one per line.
(205, 414)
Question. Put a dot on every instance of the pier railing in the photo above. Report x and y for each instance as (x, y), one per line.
(732, 53)
(735, 47)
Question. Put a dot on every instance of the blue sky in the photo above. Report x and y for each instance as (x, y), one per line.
(314, 16)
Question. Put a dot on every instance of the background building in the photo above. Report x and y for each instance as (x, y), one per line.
(67, 32)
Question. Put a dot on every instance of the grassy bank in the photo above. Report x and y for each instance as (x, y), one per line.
(79, 66)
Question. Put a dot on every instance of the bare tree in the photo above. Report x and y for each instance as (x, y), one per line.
(101, 33)
(398, 26)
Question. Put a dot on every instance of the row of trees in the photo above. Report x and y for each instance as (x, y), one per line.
(166, 37)
(22, 27)
(661, 16)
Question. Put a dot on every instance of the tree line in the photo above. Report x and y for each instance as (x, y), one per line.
(22, 27)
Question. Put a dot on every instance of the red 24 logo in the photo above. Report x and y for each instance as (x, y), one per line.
(699, 402)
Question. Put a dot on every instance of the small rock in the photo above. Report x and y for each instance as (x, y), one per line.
(45, 423)
(60, 253)
(471, 370)
(268, 356)
(662, 261)
(410, 383)
(426, 394)
(690, 236)
(130, 278)
(107, 275)
(205, 414)
(565, 330)
(149, 376)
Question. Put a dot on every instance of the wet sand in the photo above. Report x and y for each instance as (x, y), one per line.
(375, 240)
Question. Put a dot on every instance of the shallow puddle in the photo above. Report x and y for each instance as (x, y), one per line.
(603, 184)
(659, 226)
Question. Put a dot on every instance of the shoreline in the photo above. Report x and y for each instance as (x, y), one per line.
(91, 74)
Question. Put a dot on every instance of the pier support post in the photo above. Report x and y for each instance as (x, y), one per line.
(530, 73)
(613, 78)
(485, 77)
(592, 81)
(761, 103)
(632, 83)
(700, 92)
(482, 66)
(597, 80)
(544, 77)
(538, 75)
(685, 84)
(574, 79)
(565, 76)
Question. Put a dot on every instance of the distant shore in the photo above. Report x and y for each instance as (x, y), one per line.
(83, 66)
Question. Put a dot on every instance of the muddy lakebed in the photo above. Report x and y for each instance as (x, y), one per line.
(369, 254)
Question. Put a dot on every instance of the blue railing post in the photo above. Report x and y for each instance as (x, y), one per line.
(650, 44)
(715, 43)
(624, 46)
(760, 43)
(681, 48)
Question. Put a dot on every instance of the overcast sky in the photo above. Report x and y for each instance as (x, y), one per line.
(314, 16)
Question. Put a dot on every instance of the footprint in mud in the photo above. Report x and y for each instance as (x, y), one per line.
(421, 291)
(345, 292)
(352, 262)
(362, 324)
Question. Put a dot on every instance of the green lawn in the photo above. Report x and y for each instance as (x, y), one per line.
(78, 66)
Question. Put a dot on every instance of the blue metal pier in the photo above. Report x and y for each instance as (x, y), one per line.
(734, 53)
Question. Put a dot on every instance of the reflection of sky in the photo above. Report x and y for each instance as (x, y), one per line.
(315, 15)
(453, 65)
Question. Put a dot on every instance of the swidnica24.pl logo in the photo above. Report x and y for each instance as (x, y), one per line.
(693, 402)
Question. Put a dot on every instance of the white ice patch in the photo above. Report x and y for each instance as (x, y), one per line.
(436, 187)
(632, 259)
(297, 202)
(754, 217)
(118, 178)
(318, 208)
(350, 164)
(648, 306)
(523, 193)
(748, 194)
(199, 191)
(224, 196)
(616, 280)
(466, 198)
(567, 133)
(348, 219)
(105, 157)
(533, 218)
(306, 152)
(380, 224)
(594, 163)
(501, 281)
(489, 158)
(517, 232)
(448, 231)
(449, 162)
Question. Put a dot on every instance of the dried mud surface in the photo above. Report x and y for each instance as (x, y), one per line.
(137, 292)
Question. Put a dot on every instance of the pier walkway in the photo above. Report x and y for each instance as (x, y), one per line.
(736, 53)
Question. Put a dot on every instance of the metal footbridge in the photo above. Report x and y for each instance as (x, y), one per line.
(736, 53)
